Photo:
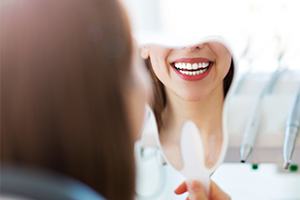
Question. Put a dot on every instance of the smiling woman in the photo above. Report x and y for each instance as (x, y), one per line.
(191, 84)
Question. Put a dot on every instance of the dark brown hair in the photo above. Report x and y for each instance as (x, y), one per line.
(159, 102)
(63, 66)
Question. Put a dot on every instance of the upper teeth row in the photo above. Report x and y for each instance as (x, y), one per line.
(191, 66)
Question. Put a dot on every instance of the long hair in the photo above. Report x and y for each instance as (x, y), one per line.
(160, 99)
(63, 67)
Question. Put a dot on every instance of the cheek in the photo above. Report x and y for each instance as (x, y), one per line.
(158, 57)
(223, 66)
(223, 58)
(160, 69)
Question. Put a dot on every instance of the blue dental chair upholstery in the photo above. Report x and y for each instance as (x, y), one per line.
(19, 183)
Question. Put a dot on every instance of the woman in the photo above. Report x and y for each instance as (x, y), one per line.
(190, 84)
(67, 88)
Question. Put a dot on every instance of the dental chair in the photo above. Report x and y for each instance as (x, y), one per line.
(28, 184)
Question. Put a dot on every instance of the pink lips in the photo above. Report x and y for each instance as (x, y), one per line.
(192, 60)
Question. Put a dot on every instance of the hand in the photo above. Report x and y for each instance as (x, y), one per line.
(197, 192)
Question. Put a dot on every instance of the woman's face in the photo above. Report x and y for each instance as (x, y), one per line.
(193, 72)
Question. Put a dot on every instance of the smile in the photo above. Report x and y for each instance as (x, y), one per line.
(192, 68)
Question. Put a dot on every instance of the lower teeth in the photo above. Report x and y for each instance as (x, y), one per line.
(193, 73)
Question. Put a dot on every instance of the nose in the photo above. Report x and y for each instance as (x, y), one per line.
(195, 47)
(198, 46)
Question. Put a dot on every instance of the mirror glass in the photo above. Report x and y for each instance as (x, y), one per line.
(190, 84)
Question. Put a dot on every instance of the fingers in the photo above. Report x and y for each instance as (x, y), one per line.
(194, 188)
(196, 191)
(216, 193)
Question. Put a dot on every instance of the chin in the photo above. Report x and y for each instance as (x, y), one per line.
(193, 96)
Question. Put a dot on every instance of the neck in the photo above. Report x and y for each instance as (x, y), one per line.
(205, 112)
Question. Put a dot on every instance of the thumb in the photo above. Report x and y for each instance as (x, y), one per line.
(196, 191)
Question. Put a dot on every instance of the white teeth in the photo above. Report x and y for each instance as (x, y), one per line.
(193, 73)
(191, 66)
(186, 68)
(178, 65)
(184, 72)
(204, 65)
(195, 66)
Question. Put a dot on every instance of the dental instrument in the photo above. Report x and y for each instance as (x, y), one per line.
(291, 131)
(252, 127)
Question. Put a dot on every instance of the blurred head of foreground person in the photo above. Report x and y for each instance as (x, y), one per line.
(68, 91)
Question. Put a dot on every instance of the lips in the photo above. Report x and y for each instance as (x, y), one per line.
(192, 68)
